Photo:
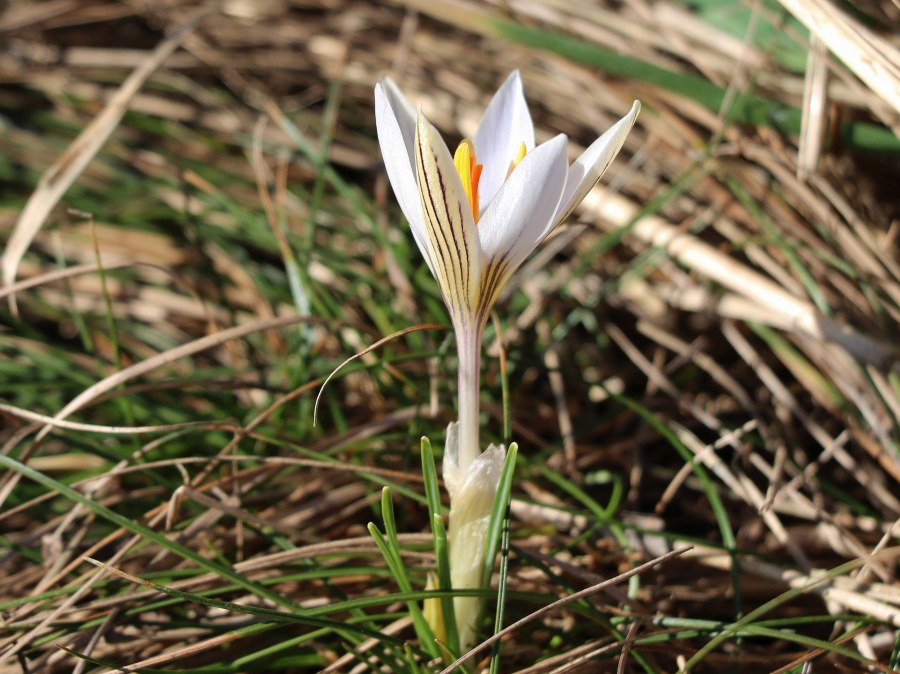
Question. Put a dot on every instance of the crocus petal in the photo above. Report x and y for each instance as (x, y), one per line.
(449, 224)
(405, 114)
(518, 217)
(433, 611)
(396, 124)
(505, 126)
(451, 458)
(470, 513)
(592, 164)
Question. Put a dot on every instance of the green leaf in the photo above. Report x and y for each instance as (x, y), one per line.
(498, 514)
(390, 550)
(148, 534)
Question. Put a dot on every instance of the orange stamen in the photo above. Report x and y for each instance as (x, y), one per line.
(469, 173)
(476, 179)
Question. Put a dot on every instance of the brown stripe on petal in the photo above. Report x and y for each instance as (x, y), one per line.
(445, 266)
(446, 224)
(492, 282)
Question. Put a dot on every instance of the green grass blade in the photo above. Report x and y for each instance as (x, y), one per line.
(429, 475)
(752, 616)
(501, 591)
(442, 555)
(390, 550)
(270, 615)
(149, 534)
(746, 108)
(498, 514)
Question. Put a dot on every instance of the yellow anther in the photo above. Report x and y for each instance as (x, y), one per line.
(520, 155)
(469, 173)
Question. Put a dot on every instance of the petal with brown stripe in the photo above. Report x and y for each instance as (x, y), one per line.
(455, 250)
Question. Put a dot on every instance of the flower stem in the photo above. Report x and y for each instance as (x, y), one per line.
(468, 349)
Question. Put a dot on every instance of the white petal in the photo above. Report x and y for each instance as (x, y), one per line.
(403, 111)
(451, 458)
(592, 164)
(396, 125)
(470, 513)
(505, 125)
(520, 215)
(449, 224)
(477, 488)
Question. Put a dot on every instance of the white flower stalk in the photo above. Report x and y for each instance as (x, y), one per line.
(476, 216)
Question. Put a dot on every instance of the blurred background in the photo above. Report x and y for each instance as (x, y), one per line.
(197, 229)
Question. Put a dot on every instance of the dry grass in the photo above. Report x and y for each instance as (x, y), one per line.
(198, 229)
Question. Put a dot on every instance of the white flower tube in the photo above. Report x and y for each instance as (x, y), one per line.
(471, 502)
(476, 216)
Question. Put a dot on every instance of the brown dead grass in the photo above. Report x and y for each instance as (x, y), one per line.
(757, 239)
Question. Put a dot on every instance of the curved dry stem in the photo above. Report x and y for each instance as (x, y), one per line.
(380, 342)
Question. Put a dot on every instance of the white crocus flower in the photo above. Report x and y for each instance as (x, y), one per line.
(476, 216)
